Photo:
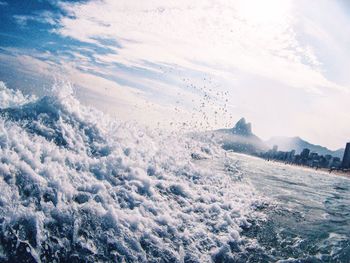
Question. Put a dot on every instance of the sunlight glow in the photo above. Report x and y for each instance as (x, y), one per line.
(264, 12)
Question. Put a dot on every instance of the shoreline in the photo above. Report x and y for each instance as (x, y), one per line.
(323, 170)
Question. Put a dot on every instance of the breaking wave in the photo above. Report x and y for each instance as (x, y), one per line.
(77, 185)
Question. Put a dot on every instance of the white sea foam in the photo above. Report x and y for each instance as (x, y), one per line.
(10, 98)
(76, 184)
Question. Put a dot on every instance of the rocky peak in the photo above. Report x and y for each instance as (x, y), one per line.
(242, 128)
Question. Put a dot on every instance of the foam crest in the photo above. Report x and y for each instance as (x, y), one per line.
(78, 185)
(11, 98)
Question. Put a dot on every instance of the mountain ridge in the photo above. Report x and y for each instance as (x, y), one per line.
(240, 138)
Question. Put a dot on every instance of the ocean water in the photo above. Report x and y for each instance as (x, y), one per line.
(79, 186)
(308, 219)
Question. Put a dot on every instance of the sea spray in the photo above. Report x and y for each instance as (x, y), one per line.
(77, 185)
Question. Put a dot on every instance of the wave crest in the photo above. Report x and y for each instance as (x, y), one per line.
(78, 185)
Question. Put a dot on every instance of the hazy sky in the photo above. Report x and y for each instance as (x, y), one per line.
(284, 65)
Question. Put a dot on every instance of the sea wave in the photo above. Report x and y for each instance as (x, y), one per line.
(77, 185)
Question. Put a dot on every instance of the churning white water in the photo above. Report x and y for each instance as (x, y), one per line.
(77, 185)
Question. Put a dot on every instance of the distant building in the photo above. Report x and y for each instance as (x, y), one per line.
(275, 148)
(313, 155)
(292, 153)
(346, 159)
(328, 157)
(311, 159)
(305, 154)
(336, 163)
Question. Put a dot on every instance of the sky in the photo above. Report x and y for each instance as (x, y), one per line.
(204, 64)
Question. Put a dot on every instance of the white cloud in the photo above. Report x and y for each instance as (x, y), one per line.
(124, 102)
(282, 62)
(44, 17)
(254, 36)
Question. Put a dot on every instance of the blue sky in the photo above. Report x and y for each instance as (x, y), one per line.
(281, 64)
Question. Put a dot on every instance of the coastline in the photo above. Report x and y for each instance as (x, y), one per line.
(323, 170)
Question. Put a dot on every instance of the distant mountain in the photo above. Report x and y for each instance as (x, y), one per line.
(298, 144)
(242, 128)
(240, 138)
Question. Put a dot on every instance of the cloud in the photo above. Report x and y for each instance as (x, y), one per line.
(274, 61)
(3, 3)
(201, 35)
(21, 20)
(125, 102)
(45, 17)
